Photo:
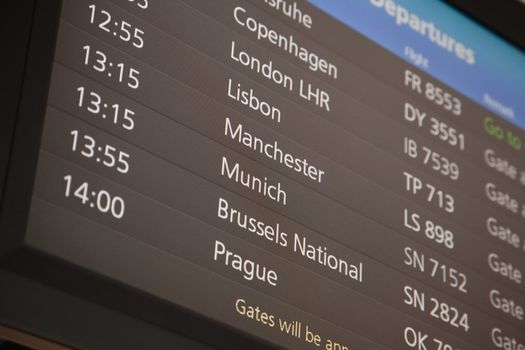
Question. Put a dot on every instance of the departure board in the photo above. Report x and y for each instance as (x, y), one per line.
(324, 174)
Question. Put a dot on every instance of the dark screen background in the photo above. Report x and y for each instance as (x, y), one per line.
(163, 245)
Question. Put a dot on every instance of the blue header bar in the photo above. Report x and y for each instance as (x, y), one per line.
(446, 44)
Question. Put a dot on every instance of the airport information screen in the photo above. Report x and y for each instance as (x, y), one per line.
(320, 174)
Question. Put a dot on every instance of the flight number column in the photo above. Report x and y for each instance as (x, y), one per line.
(451, 105)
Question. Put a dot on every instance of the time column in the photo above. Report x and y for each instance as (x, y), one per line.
(102, 153)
